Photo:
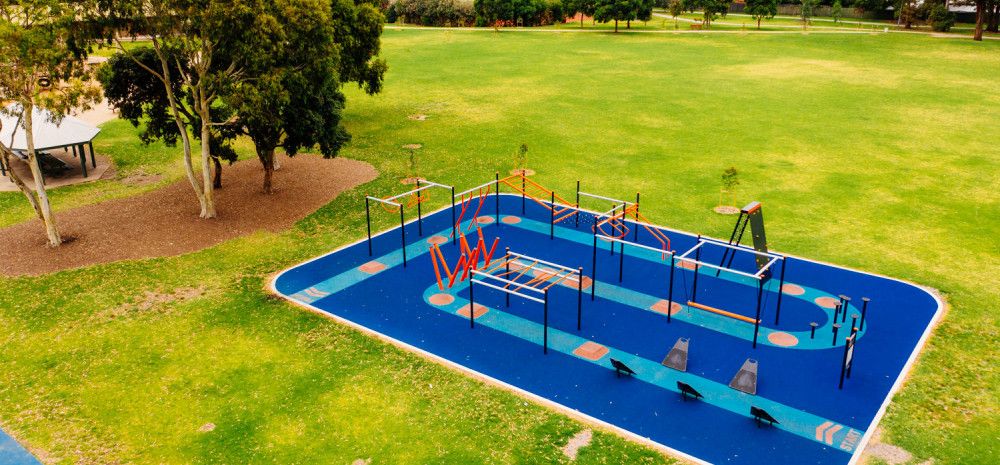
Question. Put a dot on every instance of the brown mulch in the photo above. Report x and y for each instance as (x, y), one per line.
(165, 222)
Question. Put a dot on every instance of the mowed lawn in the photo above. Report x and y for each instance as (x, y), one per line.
(878, 152)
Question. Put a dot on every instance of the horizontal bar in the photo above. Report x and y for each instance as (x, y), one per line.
(764, 268)
(740, 247)
(390, 202)
(719, 311)
(601, 197)
(564, 268)
(424, 181)
(716, 267)
(692, 249)
(507, 281)
(636, 244)
(475, 188)
(536, 299)
(414, 191)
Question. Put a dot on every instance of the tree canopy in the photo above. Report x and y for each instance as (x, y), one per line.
(761, 9)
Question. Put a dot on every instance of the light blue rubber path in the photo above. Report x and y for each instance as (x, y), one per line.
(11, 453)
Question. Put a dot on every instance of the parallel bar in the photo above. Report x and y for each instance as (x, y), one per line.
(692, 249)
(484, 283)
(601, 197)
(506, 281)
(636, 244)
(404, 194)
(526, 257)
(383, 201)
(485, 184)
(716, 267)
(719, 311)
(764, 268)
(739, 247)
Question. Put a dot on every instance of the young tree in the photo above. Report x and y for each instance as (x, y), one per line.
(761, 9)
(676, 8)
(808, 9)
(581, 7)
(141, 99)
(711, 9)
(292, 98)
(41, 65)
(837, 11)
(205, 34)
(906, 12)
(615, 10)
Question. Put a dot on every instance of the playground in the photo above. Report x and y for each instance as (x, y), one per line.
(718, 350)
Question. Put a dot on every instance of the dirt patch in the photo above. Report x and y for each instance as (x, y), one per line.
(577, 442)
(141, 179)
(417, 117)
(165, 222)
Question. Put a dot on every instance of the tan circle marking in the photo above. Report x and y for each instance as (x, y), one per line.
(441, 299)
(782, 339)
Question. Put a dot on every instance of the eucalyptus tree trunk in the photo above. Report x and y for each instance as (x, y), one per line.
(980, 18)
(43, 208)
(5, 154)
(181, 129)
(266, 156)
(206, 152)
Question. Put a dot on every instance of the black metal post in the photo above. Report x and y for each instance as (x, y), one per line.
(93, 161)
(836, 328)
(854, 341)
(552, 216)
(854, 322)
(836, 312)
(506, 259)
(621, 260)
(847, 303)
(636, 225)
(864, 311)
(420, 215)
(593, 268)
(697, 258)
(545, 322)
(402, 232)
(670, 290)
(756, 321)
(472, 304)
(454, 225)
(368, 221)
(781, 291)
(497, 197)
(577, 203)
(812, 329)
(523, 187)
(579, 297)
(843, 364)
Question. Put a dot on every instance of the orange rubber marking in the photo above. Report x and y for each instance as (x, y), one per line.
(511, 219)
(477, 312)
(591, 351)
(372, 267)
(793, 289)
(441, 299)
(661, 307)
(827, 302)
(718, 311)
(782, 339)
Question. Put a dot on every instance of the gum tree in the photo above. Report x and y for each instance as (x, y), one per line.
(41, 66)
(761, 9)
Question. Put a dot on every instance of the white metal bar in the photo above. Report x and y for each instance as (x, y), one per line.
(716, 267)
(601, 197)
(414, 191)
(764, 268)
(475, 188)
(506, 281)
(383, 201)
(745, 248)
(556, 265)
(692, 249)
(424, 181)
(484, 283)
(636, 244)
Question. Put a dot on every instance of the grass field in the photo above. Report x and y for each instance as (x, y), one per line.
(872, 151)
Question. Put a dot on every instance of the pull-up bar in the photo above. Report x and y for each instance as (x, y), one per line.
(402, 218)
(719, 311)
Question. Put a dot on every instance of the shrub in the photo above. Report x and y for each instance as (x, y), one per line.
(432, 12)
(518, 12)
(940, 18)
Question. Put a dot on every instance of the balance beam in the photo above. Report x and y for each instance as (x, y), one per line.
(723, 312)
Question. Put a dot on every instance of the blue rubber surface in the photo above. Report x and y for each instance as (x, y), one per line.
(818, 423)
(11, 453)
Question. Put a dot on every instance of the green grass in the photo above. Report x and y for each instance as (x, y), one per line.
(871, 151)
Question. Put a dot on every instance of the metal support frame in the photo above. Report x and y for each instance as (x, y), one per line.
(497, 197)
(402, 217)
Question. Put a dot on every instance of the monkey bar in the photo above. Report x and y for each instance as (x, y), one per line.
(392, 201)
